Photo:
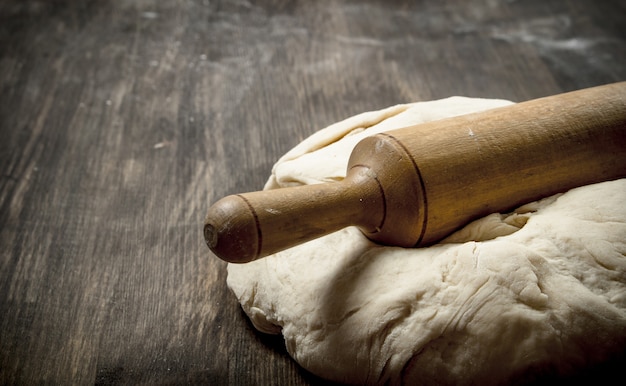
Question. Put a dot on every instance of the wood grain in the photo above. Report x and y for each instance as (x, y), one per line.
(122, 121)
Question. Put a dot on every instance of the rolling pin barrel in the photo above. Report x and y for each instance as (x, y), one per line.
(414, 186)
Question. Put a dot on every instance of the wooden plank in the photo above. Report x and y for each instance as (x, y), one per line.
(121, 121)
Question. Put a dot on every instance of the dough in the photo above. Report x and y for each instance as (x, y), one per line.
(511, 296)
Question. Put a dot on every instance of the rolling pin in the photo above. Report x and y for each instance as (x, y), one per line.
(414, 186)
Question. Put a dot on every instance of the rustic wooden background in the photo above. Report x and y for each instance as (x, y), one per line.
(121, 121)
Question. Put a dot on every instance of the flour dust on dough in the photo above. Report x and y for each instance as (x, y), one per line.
(541, 290)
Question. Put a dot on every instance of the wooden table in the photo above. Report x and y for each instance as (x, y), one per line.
(121, 121)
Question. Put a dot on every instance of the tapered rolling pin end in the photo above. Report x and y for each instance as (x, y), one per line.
(245, 227)
(231, 231)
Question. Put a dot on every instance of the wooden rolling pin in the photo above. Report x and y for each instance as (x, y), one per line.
(413, 186)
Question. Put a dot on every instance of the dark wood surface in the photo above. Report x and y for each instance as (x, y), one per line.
(121, 121)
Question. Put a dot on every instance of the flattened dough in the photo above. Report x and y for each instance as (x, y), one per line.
(539, 290)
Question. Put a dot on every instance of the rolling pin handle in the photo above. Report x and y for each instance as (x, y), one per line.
(245, 227)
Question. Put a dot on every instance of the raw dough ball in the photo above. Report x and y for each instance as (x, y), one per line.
(539, 290)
